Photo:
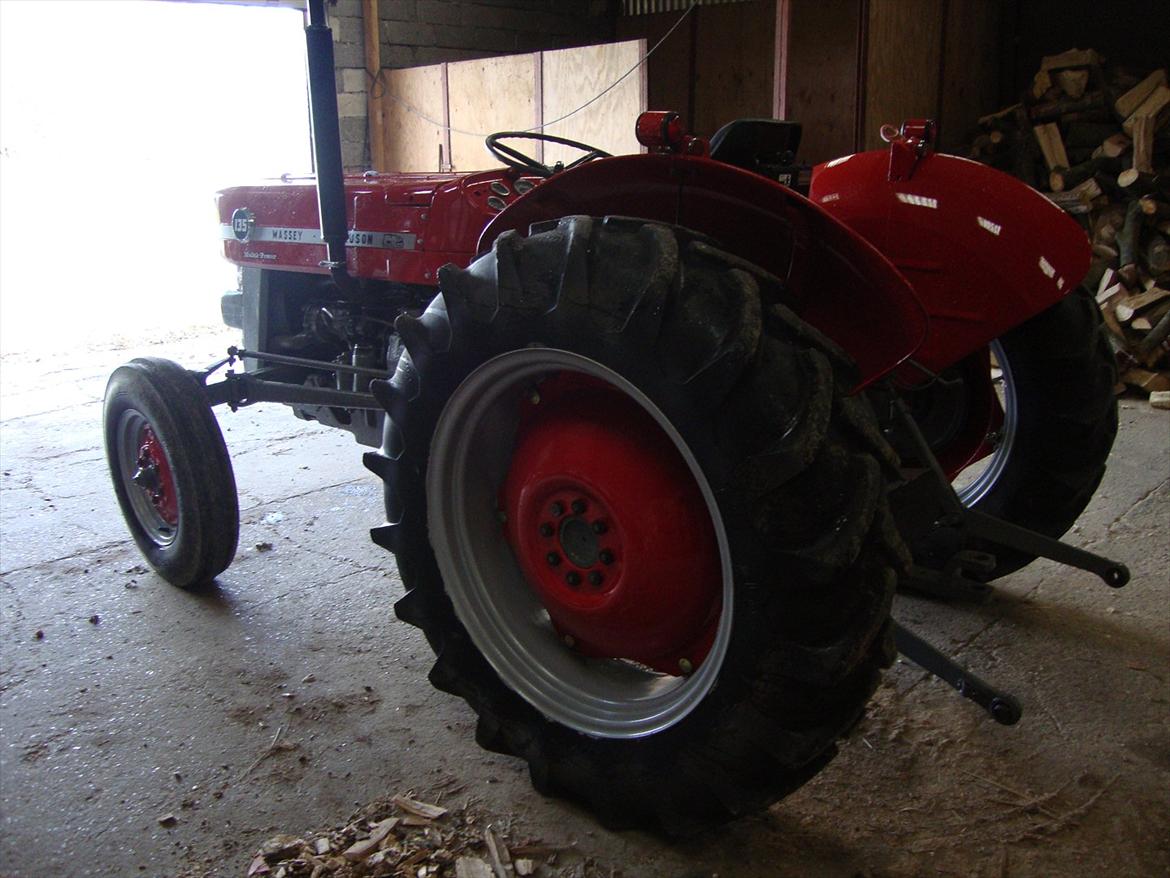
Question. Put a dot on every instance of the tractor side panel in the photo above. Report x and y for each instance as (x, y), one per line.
(836, 280)
(984, 251)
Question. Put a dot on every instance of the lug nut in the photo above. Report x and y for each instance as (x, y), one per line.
(685, 665)
(569, 641)
(546, 530)
(534, 397)
(557, 510)
(573, 578)
(553, 559)
(606, 556)
(599, 527)
(595, 578)
(578, 507)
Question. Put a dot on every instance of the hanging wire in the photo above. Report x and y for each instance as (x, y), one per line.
(379, 79)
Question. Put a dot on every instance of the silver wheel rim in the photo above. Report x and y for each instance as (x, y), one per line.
(977, 480)
(469, 458)
(128, 435)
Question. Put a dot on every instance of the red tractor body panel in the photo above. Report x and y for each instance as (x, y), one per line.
(891, 241)
(983, 251)
(403, 227)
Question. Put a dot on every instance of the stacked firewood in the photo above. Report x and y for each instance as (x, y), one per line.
(1095, 140)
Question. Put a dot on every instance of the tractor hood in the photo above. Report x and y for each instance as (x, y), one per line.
(401, 227)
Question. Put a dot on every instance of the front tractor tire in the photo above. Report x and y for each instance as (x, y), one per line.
(171, 471)
(638, 521)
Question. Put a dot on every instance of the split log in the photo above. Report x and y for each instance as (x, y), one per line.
(1150, 349)
(1126, 310)
(987, 144)
(1112, 147)
(1132, 99)
(1150, 382)
(1106, 224)
(1073, 82)
(1153, 207)
(1143, 144)
(1152, 106)
(1078, 200)
(1140, 184)
(1157, 255)
(1127, 242)
(1042, 82)
(1051, 145)
(999, 117)
(1091, 105)
(1066, 178)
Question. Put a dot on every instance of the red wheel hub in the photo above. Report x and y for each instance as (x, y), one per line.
(154, 477)
(611, 529)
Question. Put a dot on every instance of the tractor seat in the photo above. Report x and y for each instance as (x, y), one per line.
(758, 145)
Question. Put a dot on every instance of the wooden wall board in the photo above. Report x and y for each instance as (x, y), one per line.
(572, 76)
(970, 68)
(488, 94)
(904, 51)
(733, 63)
(822, 85)
(410, 142)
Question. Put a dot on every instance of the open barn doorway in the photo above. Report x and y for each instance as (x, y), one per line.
(118, 122)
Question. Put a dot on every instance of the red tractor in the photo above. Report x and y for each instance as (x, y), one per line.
(659, 435)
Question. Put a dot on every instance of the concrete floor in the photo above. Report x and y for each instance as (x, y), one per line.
(140, 700)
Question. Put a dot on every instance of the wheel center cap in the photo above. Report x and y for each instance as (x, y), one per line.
(578, 542)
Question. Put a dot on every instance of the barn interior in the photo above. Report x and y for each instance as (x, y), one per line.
(281, 720)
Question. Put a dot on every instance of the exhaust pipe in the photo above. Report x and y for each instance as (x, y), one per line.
(326, 133)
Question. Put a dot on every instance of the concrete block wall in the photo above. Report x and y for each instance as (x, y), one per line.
(415, 33)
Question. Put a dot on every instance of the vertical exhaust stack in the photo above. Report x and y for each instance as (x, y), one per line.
(326, 131)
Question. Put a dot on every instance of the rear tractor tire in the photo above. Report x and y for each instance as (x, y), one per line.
(637, 520)
(1057, 383)
(171, 471)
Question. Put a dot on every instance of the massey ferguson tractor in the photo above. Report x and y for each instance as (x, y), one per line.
(660, 437)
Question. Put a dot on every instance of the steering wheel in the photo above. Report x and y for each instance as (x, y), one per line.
(514, 158)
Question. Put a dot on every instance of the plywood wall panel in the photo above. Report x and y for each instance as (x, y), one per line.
(489, 94)
(734, 61)
(570, 77)
(822, 82)
(410, 142)
(903, 52)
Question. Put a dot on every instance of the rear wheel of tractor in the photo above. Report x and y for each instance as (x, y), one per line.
(1057, 374)
(171, 471)
(643, 531)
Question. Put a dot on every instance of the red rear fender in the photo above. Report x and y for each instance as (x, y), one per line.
(835, 279)
(984, 251)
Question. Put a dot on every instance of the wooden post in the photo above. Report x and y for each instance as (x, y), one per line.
(780, 63)
(446, 119)
(538, 103)
(371, 25)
